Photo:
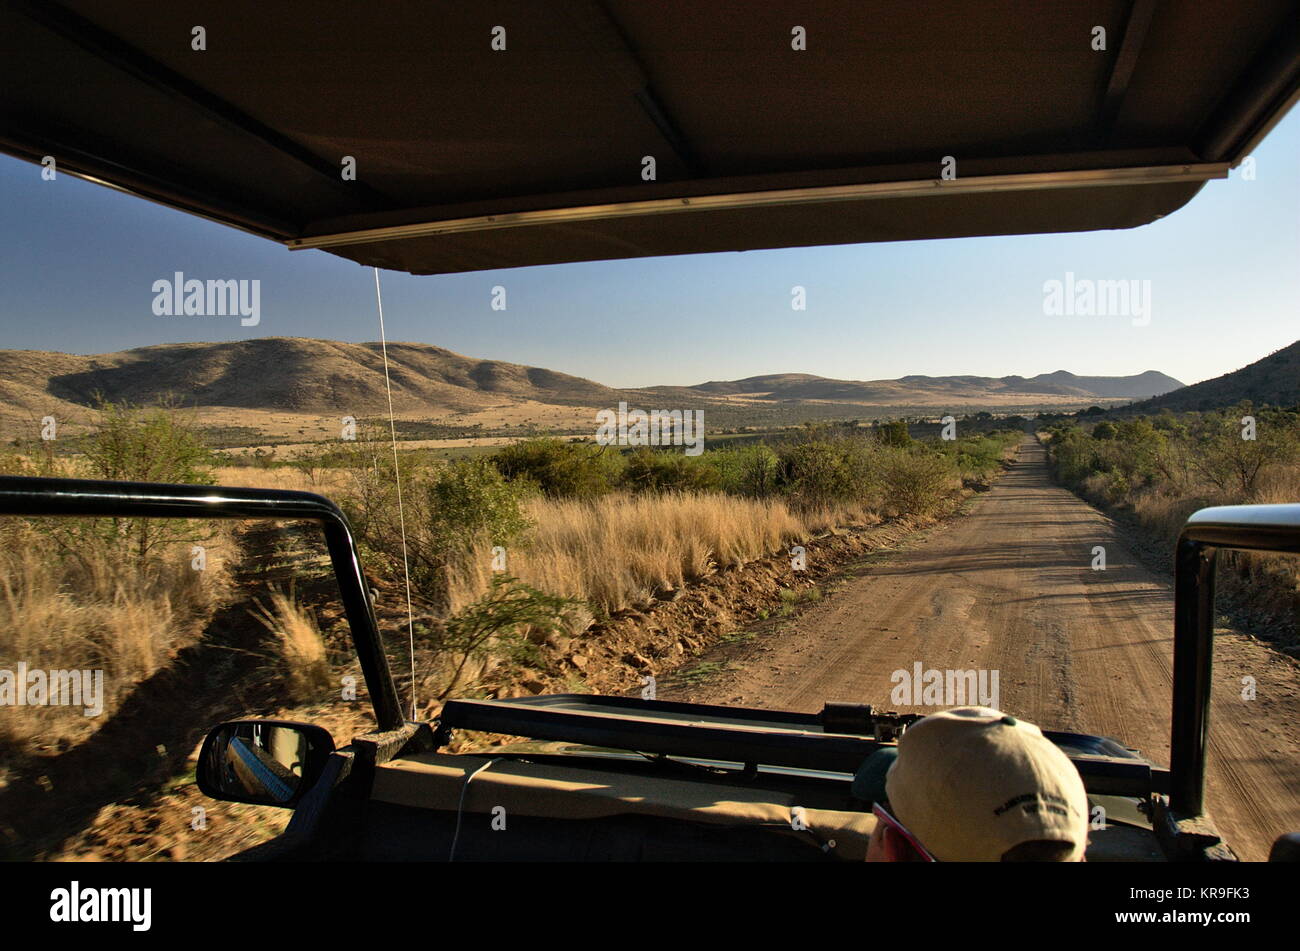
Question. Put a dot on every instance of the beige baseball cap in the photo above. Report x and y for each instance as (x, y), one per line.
(972, 783)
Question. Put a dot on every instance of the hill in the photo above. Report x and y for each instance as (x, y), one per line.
(285, 373)
(285, 387)
(930, 389)
(1274, 380)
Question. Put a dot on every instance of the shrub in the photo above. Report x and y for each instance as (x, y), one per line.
(1232, 463)
(894, 434)
(562, 470)
(455, 507)
(509, 610)
(979, 456)
(752, 471)
(157, 445)
(916, 483)
(449, 509)
(131, 444)
(648, 470)
(819, 472)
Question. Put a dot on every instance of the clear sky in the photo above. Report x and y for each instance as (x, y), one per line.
(78, 262)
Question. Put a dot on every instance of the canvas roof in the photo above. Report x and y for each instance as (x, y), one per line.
(470, 158)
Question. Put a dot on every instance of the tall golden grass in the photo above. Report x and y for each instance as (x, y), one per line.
(615, 551)
(96, 608)
(299, 643)
(93, 609)
(327, 482)
(1267, 582)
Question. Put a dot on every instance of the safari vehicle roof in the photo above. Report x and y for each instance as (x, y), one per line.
(469, 158)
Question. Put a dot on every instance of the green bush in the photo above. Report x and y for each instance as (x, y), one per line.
(822, 471)
(980, 456)
(916, 483)
(752, 470)
(1175, 455)
(156, 445)
(665, 471)
(503, 616)
(468, 499)
(562, 469)
(133, 444)
(894, 434)
(448, 509)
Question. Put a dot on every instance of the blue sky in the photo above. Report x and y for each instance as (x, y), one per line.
(78, 261)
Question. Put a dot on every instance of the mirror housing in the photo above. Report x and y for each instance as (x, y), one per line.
(263, 762)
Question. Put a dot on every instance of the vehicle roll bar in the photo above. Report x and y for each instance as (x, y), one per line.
(1274, 528)
(38, 497)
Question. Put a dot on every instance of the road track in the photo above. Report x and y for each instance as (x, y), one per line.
(1009, 587)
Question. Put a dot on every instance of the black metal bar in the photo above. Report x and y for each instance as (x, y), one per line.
(1245, 527)
(1193, 659)
(628, 724)
(36, 497)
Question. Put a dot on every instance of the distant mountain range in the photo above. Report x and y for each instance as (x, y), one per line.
(930, 389)
(306, 376)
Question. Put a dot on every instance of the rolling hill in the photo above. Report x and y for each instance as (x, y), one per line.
(245, 383)
(930, 389)
(1274, 380)
(285, 373)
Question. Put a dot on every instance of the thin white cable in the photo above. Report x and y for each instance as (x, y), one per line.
(397, 474)
(460, 808)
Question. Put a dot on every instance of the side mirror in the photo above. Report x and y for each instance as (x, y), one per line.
(265, 762)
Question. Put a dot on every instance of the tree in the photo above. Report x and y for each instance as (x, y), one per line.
(894, 433)
(511, 608)
(1230, 461)
(130, 444)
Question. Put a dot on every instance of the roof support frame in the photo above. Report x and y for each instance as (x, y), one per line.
(141, 178)
(1121, 73)
(609, 41)
(793, 196)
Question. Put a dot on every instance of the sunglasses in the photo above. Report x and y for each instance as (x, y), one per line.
(883, 815)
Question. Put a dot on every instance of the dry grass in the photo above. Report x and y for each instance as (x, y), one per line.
(1278, 483)
(298, 638)
(90, 608)
(328, 482)
(614, 552)
(1268, 583)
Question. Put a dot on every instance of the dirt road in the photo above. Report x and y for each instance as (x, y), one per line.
(1010, 588)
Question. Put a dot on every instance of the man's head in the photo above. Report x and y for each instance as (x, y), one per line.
(975, 785)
